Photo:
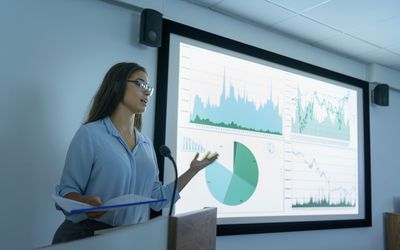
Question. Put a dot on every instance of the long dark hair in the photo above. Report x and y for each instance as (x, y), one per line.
(111, 92)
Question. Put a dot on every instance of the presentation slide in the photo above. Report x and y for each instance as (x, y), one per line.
(288, 142)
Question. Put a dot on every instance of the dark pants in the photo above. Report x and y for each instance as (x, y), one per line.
(68, 230)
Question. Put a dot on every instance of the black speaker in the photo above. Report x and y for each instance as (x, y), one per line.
(381, 95)
(150, 28)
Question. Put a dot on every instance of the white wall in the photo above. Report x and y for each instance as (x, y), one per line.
(53, 55)
(380, 74)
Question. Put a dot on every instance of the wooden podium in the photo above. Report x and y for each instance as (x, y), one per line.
(194, 230)
(392, 231)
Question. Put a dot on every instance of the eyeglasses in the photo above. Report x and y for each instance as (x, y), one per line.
(143, 85)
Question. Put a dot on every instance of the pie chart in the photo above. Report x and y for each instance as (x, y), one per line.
(234, 188)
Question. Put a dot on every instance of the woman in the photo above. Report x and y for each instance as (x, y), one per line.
(109, 157)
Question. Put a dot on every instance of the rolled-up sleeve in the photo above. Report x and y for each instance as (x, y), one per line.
(163, 192)
(78, 164)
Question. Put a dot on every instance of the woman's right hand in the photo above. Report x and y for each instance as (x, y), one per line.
(94, 201)
(91, 200)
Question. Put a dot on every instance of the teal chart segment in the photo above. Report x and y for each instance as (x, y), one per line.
(234, 188)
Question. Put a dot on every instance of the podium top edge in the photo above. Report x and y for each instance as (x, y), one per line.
(206, 210)
(392, 213)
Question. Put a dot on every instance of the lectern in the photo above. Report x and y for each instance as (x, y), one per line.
(392, 231)
(193, 230)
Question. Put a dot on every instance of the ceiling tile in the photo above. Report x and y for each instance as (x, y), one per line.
(258, 11)
(346, 45)
(298, 6)
(394, 48)
(380, 33)
(348, 15)
(305, 29)
(365, 30)
(381, 56)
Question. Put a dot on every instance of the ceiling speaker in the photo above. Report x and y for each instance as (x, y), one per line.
(150, 28)
(381, 95)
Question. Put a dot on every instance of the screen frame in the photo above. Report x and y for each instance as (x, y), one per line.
(171, 27)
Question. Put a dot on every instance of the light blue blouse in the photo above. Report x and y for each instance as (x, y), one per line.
(100, 163)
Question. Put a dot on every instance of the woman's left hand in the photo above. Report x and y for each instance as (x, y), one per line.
(197, 165)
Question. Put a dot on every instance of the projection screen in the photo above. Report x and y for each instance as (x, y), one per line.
(292, 138)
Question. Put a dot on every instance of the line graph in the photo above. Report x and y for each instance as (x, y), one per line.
(320, 178)
(321, 115)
